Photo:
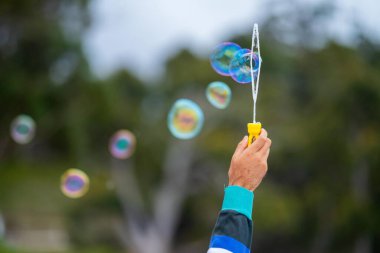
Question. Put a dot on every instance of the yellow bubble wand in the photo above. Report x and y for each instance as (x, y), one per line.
(254, 128)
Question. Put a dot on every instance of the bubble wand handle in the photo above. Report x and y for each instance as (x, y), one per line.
(254, 128)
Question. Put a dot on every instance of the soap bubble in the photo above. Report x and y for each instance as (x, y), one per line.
(218, 94)
(221, 57)
(122, 144)
(185, 119)
(74, 183)
(23, 129)
(240, 67)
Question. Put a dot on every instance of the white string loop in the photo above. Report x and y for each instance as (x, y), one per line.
(255, 82)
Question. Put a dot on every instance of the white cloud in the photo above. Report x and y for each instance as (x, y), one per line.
(141, 34)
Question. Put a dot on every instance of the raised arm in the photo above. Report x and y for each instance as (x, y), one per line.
(233, 229)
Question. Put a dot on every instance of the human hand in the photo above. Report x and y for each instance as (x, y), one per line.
(249, 164)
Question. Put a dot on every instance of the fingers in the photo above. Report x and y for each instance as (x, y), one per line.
(259, 142)
(266, 155)
(264, 133)
(241, 146)
(264, 151)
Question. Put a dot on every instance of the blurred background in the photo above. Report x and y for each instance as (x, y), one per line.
(87, 68)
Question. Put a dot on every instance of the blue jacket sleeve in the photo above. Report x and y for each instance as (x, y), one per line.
(233, 229)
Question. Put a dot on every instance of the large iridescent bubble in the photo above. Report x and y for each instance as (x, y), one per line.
(74, 183)
(240, 67)
(218, 94)
(221, 57)
(185, 119)
(23, 129)
(122, 144)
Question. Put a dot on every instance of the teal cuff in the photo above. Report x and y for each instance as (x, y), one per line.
(238, 199)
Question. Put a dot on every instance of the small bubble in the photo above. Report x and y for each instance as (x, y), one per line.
(74, 183)
(218, 94)
(185, 119)
(23, 129)
(122, 144)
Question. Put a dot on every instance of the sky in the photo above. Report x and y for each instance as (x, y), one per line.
(140, 35)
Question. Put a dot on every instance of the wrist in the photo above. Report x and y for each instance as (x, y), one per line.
(242, 184)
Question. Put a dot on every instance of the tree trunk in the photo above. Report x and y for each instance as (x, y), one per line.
(143, 233)
(360, 185)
